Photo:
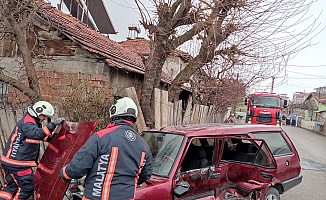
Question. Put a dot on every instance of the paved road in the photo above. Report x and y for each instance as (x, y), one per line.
(312, 150)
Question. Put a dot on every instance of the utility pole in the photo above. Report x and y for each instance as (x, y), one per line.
(273, 79)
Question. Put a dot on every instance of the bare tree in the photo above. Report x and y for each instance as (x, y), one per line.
(19, 14)
(253, 34)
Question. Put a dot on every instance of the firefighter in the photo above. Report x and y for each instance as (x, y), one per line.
(22, 150)
(294, 119)
(288, 120)
(114, 159)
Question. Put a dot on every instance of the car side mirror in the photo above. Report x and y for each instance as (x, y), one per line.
(210, 170)
(181, 189)
(285, 103)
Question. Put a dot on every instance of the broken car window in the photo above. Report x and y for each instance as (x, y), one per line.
(238, 149)
(164, 148)
(199, 154)
(247, 151)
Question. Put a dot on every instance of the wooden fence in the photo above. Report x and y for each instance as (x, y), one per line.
(168, 113)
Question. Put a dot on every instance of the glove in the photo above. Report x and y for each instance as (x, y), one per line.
(50, 138)
(62, 176)
(52, 125)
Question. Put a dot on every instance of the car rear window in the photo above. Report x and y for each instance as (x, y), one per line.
(275, 141)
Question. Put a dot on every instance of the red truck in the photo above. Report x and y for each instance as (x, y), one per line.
(264, 108)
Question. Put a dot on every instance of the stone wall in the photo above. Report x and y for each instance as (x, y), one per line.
(311, 125)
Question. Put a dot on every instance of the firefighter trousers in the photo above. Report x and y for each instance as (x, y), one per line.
(18, 183)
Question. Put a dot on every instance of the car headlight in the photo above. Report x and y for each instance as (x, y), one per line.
(278, 123)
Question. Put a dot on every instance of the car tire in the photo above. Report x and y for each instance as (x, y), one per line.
(272, 194)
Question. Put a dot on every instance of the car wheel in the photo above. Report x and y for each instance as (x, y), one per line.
(272, 194)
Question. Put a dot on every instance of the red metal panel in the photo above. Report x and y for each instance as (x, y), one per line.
(47, 183)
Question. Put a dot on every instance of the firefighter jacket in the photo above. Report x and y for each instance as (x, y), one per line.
(115, 160)
(23, 145)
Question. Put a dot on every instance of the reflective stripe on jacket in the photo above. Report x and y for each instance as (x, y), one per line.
(115, 160)
(22, 147)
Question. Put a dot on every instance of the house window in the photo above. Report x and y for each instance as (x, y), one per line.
(3, 90)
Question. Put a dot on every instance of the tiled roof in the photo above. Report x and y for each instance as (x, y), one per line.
(92, 40)
(141, 46)
(115, 54)
(320, 97)
(311, 104)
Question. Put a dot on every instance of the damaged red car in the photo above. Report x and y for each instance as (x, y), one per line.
(211, 161)
(218, 161)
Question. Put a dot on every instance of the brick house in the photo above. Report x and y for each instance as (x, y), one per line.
(66, 50)
(316, 106)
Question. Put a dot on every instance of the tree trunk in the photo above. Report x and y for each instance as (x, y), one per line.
(152, 78)
(20, 28)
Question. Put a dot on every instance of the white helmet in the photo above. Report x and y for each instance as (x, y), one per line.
(43, 108)
(124, 107)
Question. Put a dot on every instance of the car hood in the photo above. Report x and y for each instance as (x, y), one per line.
(64, 144)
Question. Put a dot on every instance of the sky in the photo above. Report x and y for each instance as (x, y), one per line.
(304, 71)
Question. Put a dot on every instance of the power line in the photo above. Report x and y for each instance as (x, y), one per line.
(306, 74)
(134, 9)
(307, 65)
(299, 86)
(129, 6)
(303, 78)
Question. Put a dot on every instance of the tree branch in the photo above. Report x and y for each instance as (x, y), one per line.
(174, 8)
(184, 8)
(18, 85)
(197, 28)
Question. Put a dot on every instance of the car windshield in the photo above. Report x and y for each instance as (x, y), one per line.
(165, 148)
(270, 102)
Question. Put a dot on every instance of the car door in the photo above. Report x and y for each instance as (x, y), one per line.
(65, 143)
(246, 165)
(198, 177)
(284, 152)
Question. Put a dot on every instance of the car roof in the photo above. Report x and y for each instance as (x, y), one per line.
(265, 94)
(212, 129)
